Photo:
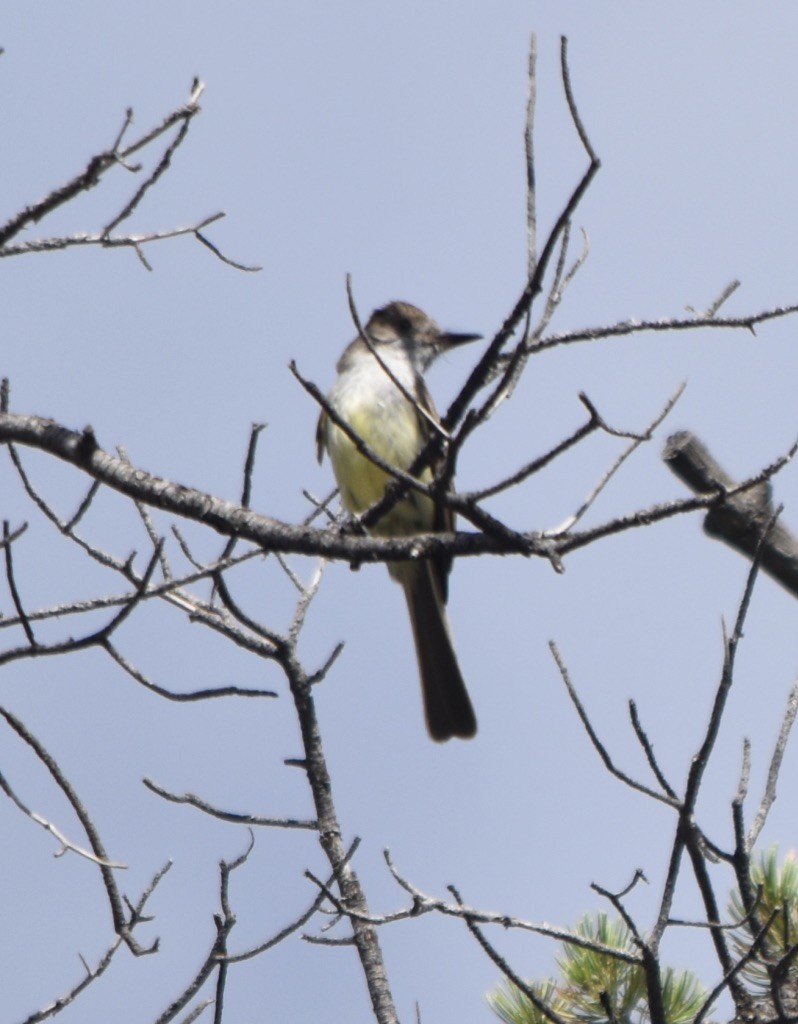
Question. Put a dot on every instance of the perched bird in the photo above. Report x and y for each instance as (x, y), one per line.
(366, 397)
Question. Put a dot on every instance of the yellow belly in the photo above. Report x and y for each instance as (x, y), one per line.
(396, 438)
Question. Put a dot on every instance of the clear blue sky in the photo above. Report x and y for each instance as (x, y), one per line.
(387, 142)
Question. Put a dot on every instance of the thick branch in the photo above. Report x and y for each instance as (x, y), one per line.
(741, 519)
(230, 520)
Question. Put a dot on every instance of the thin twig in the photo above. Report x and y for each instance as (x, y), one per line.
(515, 979)
(12, 586)
(48, 826)
(667, 324)
(769, 795)
(122, 926)
(188, 696)
(599, 747)
(230, 816)
(529, 151)
(648, 749)
(729, 977)
(619, 461)
(93, 973)
(536, 465)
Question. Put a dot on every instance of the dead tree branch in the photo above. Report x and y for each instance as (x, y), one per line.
(117, 155)
(741, 518)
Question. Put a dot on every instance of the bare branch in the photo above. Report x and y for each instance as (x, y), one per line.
(122, 926)
(422, 903)
(687, 836)
(94, 170)
(12, 585)
(129, 241)
(648, 749)
(540, 1005)
(724, 296)
(593, 424)
(93, 973)
(769, 796)
(484, 367)
(281, 935)
(172, 591)
(619, 461)
(701, 758)
(667, 324)
(529, 149)
(161, 167)
(601, 750)
(98, 165)
(82, 451)
(667, 510)
(231, 816)
(48, 826)
(249, 268)
(12, 536)
(729, 978)
(742, 519)
(84, 506)
(217, 954)
(187, 697)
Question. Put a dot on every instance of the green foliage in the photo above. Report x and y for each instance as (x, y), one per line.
(777, 887)
(589, 976)
(512, 1006)
(596, 987)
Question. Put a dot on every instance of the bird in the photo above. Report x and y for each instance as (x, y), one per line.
(381, 395)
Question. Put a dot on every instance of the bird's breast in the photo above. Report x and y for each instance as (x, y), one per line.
(382, 417)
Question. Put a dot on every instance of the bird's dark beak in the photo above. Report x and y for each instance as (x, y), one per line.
(451, 339)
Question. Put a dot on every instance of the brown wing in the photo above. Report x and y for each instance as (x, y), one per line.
(444, 516)
(321, 440)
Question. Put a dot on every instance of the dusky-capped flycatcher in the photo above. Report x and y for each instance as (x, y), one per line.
(368, 400)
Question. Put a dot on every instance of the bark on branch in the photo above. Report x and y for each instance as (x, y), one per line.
(740, 519)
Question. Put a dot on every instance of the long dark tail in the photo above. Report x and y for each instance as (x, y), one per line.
(447, 706)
